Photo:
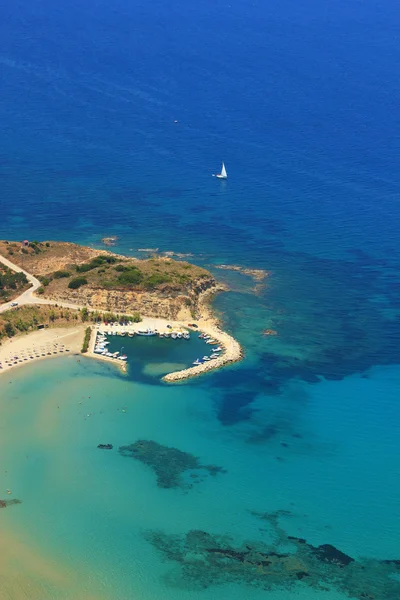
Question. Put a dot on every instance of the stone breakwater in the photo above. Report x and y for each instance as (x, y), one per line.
(232, 353)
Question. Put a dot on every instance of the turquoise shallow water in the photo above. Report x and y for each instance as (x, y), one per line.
(336, 474)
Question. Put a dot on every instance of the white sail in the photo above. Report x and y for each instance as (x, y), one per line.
(223, 172)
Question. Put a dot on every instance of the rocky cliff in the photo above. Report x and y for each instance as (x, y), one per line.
(166, 302)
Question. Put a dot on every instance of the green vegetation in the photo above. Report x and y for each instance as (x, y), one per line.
(85, 345)
(76, 283)
(156, 279)
(35, 246)
(10, 283)
(62, 266)
(28, 318)
(61, 274)
(98, 261)
(131, 276)
(9, 329)
(45, 281)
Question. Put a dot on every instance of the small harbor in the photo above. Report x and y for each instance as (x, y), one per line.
(174, 351)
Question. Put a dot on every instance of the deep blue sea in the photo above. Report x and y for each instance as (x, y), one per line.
(114, 116)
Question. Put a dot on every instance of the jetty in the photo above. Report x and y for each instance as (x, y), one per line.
(232, 352)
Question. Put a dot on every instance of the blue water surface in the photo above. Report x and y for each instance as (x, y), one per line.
(114, 118)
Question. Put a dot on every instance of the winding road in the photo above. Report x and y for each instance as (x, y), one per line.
(28, 297)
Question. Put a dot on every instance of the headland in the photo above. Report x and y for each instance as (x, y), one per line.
(59, 289)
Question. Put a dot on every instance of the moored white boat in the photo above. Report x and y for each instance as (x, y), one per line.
(146, 332)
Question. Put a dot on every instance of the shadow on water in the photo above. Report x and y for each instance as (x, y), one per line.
(333, 318)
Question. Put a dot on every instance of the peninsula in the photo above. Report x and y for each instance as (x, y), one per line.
(48, 289)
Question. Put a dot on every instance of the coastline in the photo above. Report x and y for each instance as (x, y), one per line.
(232, 349)
(56, 341)
(38, 345)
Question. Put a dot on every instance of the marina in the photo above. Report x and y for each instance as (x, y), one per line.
(210, 348)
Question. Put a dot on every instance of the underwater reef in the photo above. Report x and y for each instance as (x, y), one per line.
(5, 503)
(204, 559)
(172, 467)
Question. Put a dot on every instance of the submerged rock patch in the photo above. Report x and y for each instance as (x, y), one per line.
(170, 464)
(205, 559)
(5, 503)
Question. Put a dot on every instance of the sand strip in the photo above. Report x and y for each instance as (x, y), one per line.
(37, 345)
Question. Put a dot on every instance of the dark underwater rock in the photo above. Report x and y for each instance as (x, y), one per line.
(207, 559)
(330, 554)
(392, 561)
(5, 503)
(169, 464)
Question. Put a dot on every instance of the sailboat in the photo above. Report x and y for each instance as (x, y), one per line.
(223, 174)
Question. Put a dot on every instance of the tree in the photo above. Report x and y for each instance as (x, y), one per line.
(76, 283)
(9, 329)
(84, 314)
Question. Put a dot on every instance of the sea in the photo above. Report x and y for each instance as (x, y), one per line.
(277, 478)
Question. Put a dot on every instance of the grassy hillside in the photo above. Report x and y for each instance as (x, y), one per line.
(61, 265)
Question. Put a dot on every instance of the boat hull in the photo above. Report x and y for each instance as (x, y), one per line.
(146, 333)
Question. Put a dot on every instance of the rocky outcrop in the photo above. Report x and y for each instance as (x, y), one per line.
(164, 302)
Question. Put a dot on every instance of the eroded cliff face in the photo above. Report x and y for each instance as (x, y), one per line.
(164, 302)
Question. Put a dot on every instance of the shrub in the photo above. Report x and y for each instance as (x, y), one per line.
(61, 274)
(76, 283)
(121, 268)
(9, 329)
(44, 281)
(136, 318)
(156, 279)
(47, 244)
(131, 277)
(40, 290)
(86, 340)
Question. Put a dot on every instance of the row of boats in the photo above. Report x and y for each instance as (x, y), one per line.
(101, 343)
(185, 335)
(100, 347)
(216, 353)
(175, 335)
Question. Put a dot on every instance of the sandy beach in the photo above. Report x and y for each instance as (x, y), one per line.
(37, 345)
